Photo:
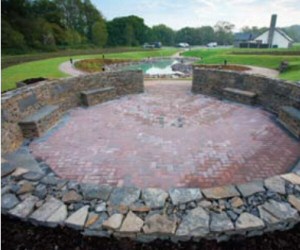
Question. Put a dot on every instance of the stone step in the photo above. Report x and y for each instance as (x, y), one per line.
(239, 95)
(39, 122)
(96, 96)
(289, 117)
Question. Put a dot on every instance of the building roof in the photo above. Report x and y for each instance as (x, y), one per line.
(243, 36)
(280, 31)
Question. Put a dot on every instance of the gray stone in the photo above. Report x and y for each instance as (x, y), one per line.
(101, 207)
(221, 223)
(58, 216)
(50, 180)
(7, 169)
(23, 209)
(159, 224)
(292, 178)
(274, 212)
(195, 223)
(22, 158)
(91, 191)
(6, 189)
(98, 224)
(40, 191)
(124, 196)
(220, 192)
(139, 206)
(154, 197)
(275, 184)
(73, 185)
(33, 176)
(8, 201)
(132, 223)
(232, 215)
(46, 210)
(71, 196)
(184, 195)
(114, 222)
(205, 204)
(247, 222)
(295, 201)
(251, 188)
(78, 218)
(28, 101)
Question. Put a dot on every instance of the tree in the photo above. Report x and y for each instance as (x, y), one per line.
(163, 34)
(224, 34)
(129, 30)
(11, 39)
(99, 33)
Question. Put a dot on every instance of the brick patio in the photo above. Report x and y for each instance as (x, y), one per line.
(168, 137)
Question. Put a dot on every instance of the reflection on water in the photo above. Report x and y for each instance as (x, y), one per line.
(162, 67)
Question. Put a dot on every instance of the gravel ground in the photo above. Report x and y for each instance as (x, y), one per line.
(17, 235)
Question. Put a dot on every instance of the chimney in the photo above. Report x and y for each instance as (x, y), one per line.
(272, 30)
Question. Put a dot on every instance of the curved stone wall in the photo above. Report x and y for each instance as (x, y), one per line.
(20, 103)
(178, 214)
(272, 94)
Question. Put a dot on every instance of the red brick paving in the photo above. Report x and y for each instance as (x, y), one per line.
(168, 137)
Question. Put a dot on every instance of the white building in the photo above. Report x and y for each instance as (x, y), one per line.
(280, 39)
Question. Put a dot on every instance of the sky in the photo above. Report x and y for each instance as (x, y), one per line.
(196, 13)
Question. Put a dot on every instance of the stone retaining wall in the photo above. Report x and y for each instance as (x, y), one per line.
(22, 102)
(179, 214)
(271, 93)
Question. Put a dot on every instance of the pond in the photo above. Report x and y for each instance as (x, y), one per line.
(161, 67)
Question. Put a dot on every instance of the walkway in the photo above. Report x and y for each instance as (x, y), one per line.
(69, 69)
(168, 137)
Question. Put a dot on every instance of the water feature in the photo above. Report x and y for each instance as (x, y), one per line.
(160, 67)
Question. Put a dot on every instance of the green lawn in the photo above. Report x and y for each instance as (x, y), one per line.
(260, 58)
(49, 68)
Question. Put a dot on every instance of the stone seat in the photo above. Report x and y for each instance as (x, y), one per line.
(39, 122)
(239, 95)
(96, 96)
(289, 117)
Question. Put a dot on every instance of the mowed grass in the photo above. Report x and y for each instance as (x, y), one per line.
(49, 68)
(261, 58)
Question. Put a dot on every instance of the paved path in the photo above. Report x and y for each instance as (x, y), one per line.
(262, 71)
(168, 137)
(69, 69)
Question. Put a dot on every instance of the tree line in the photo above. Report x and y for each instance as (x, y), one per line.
(48, 25)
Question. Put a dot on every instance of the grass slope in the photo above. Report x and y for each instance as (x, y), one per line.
(49, 68)
(261, 58)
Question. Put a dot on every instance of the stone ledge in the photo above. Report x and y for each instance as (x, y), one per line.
(96, 96)
(178, 215)
(40, 121)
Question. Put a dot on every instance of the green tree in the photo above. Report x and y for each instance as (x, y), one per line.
(99, 33)
(223, 32)
(163, 34)
(11, 39)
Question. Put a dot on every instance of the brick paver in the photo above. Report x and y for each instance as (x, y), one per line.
(168, 137)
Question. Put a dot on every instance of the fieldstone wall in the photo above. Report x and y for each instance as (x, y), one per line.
(177, 214)
(22, 102)
(271, 93)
